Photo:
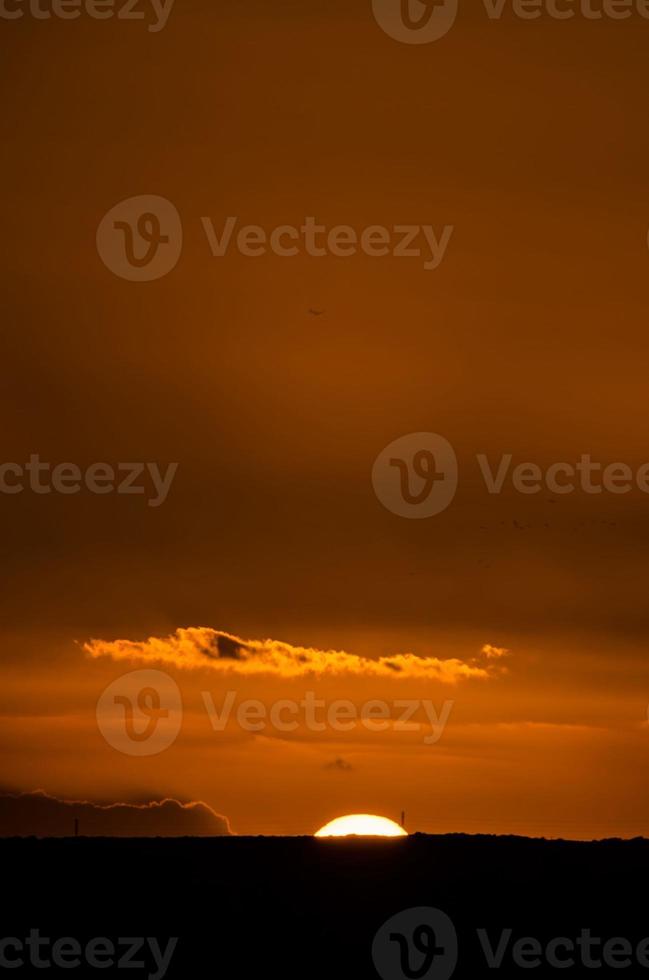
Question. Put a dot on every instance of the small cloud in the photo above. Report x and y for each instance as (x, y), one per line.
(339, 765)
(494, 653)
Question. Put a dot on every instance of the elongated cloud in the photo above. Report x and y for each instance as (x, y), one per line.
(204, 647)
(41, 815)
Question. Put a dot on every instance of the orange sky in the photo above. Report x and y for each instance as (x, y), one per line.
(530, 139)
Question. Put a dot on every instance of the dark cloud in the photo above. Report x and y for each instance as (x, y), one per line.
(230, 647)
(339, 765)
(40, 815)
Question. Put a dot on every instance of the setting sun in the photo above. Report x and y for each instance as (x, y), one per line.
(361, 825)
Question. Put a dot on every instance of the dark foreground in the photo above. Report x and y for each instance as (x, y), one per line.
(245, 908)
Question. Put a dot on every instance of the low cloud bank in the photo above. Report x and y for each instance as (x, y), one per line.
(39, 815)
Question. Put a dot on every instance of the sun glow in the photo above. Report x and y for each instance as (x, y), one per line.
(361, 825)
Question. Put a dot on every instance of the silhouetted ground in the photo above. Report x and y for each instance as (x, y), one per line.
(300, 907)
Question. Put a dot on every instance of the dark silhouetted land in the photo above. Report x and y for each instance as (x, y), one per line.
(300, 907)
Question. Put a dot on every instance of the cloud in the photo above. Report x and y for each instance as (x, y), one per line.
(339, 765)
(204, 647)
(494, 653)
(41, 815)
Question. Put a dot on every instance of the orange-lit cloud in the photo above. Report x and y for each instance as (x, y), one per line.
(494, 653)
(204, 647)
